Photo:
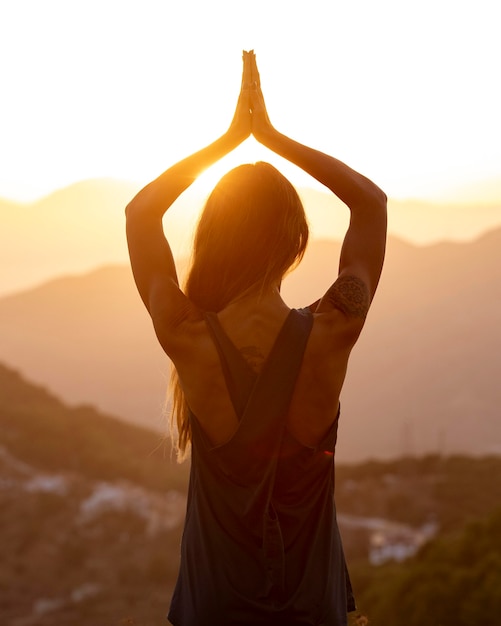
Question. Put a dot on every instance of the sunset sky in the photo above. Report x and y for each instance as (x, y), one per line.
(407, 92)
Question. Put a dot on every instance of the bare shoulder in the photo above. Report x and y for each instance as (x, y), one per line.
(343, 309)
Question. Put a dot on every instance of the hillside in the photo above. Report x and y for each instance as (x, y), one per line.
(91, 511)
(90, 514)
(422, 379)
(453, 581)
(40, 430)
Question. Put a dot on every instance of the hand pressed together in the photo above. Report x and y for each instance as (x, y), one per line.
(260, 121)
(240, 127)
(250, 115)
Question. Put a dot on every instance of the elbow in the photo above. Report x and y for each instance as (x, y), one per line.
(133, 208)
(373, 199)
(129, 212)
(370, 197)
(380, 197)
(384, 197)
(139, 204)
(380, 201)
(145, 204)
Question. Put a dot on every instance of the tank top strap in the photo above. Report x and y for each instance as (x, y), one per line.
(257, 441)
(238, 375)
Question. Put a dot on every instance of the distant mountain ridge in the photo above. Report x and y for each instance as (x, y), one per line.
(423, 377)
(81, 227)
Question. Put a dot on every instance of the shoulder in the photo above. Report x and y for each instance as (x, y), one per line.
(343, 309)
(350, 295)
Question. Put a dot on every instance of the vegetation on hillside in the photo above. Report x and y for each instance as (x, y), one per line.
(450, 490)
(454, 581)
(91, 512)
(41, 430)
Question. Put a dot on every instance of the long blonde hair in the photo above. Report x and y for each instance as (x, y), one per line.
(252, 231)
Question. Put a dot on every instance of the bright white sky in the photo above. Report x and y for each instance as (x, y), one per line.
(406, 91)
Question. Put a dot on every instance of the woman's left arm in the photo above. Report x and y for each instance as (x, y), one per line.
(150, 254)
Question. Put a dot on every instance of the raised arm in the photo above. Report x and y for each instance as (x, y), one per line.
(363, 248)
(150, 254)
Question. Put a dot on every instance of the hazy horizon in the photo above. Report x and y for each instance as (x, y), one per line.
(389, 88)
(486, 190)
(421, 121)
(81, 227)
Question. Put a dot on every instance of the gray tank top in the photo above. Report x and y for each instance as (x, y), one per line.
(261, 544)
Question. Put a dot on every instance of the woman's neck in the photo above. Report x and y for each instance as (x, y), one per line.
(257, 300)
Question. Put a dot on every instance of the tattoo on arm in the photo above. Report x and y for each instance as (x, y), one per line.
(350, 295)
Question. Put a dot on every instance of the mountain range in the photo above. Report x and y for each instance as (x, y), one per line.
(422, 378)
(81, 227)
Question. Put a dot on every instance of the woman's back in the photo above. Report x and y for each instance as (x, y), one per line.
(252, 324)
(261, 543)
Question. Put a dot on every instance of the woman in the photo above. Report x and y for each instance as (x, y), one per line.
(257, 394)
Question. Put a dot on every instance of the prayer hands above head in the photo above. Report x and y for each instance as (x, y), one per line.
(250, 115)
(261, 124)
(240, 127)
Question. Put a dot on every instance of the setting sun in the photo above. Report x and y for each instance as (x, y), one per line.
(389, 87)
(102, 91)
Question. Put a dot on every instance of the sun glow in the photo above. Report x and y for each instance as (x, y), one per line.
(251, 152)
(148, 92)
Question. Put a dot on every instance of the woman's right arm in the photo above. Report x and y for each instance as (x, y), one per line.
(150, 254)
(363, 247)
